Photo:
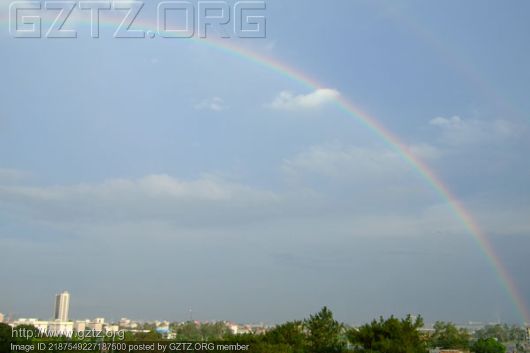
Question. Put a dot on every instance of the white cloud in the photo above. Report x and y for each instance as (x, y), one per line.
(289, 101)
(339, 187)
(351, 190)
(458, 131)
(206, 188)
(337, 161)
(325, 182)
(215, 104)
(454, 121)
(155, 197)
(369, 178)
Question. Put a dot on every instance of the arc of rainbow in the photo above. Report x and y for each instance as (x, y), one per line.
(378, 129)
(416, 163)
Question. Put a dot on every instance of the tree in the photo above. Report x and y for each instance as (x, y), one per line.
(389, 336)
(324, 333)
(446, 335)
(213, 331)
(502, 333)
(489, 345)
(6, 338)
(290, 334)
(24, 334)
(189, 331)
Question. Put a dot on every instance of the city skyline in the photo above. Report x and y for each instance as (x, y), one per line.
(61, 310)
(318, 330)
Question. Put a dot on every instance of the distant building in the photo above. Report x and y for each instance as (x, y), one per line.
(62, 304)
(528, 333)
(112, 328)
(97, 324)
(1, 317)
(56, 327)
(64, 328)
(80, 326)
(94, 326)
(40, 325)
(238, 329)
(234, 328)
(162, 329)
(128, 324)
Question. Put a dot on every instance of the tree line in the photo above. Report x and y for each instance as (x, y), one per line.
(322, 333)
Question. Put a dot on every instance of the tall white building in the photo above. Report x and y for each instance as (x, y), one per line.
(62, 303)
(1, 317)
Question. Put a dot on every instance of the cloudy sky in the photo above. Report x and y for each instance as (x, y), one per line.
(151, 176)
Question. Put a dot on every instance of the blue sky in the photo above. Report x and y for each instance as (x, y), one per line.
(150, 176)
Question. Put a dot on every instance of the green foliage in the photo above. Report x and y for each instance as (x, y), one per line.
(6, 338)
(489, 345)
(324, 333)
(320, 333)
(214, 331)
(128, 336)
(503, 333)
(24, 334)
(192, 331)
(389, 336)
(264, 347)
(189, 331)
(290, 334)
(447, 336)
(147, 326)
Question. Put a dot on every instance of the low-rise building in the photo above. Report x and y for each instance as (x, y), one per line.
(234, 328)
(63, 328)
(42, 326)
(127, 323)
(80, 326)
(94, 326)
(111, 328)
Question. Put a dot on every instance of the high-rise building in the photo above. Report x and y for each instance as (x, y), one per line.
(1, 317)
(62, 303)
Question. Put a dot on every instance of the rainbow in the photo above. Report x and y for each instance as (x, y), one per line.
(378, 129)
(372, 124)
